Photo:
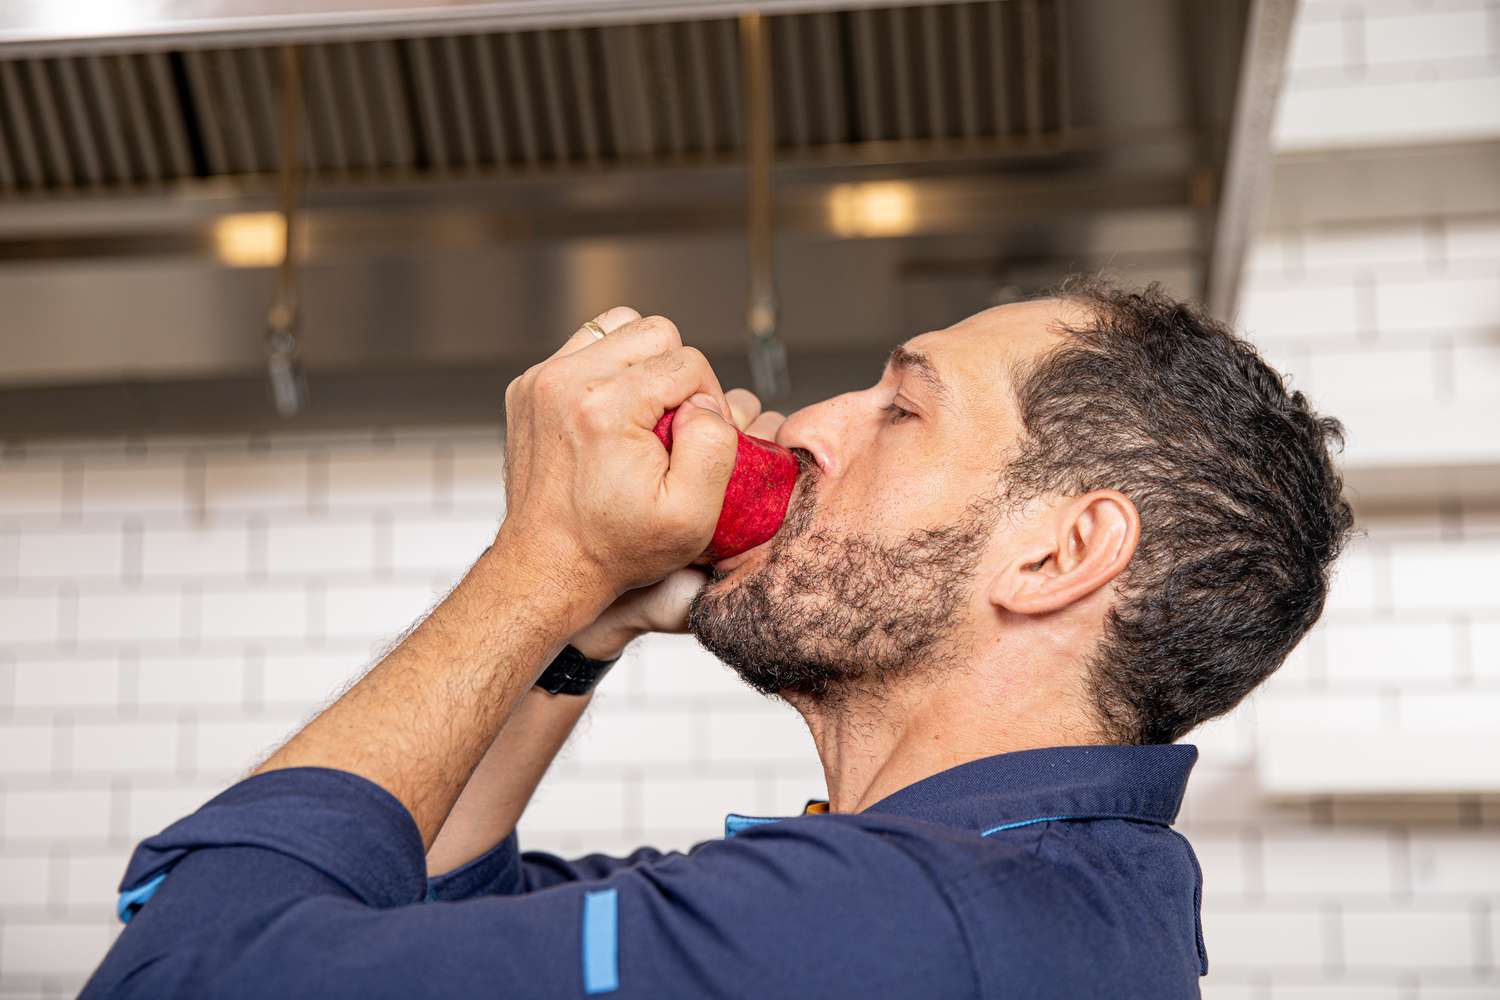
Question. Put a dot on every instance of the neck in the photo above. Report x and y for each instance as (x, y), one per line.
(874, 743)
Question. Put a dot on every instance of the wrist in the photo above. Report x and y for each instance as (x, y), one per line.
(603, 643)
(573, 672)
(563, 580)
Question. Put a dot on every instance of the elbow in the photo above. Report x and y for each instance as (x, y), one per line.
(156, 977)
(156, 961)
(282, 952)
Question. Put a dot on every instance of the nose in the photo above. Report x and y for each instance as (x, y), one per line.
(826, 430)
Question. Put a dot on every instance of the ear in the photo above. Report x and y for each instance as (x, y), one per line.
(1074, 550)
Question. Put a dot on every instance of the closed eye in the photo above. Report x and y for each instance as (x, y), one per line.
(895, 414)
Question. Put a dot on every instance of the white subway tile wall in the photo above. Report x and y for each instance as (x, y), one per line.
(172, 608)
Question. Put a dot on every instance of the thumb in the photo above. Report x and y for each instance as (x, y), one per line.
(704, 446)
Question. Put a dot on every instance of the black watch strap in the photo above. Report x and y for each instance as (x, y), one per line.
(573, 673)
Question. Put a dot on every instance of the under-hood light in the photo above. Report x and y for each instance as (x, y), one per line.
(250, 239)
(876, 208)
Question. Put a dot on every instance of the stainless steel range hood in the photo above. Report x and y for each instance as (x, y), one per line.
(482, 176)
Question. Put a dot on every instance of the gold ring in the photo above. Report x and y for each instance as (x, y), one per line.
(595, 329)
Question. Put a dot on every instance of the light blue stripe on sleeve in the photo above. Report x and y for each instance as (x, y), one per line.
(601, 941)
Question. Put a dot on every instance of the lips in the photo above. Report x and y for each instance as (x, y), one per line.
(725, 565)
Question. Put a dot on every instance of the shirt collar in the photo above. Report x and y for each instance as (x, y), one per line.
(1027, 786)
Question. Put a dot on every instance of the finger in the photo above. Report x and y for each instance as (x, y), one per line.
(703, 451)
(766, 425)
(609, 320)
(665, 606)
(666, 380)
(744, 407)
(632, 343)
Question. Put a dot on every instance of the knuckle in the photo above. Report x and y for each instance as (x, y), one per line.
(594, 412)
(522, 386)
(619, 315)
(664, 330)
(546, 384)
(688, 359)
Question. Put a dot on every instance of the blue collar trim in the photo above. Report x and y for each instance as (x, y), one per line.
(1010, 790)
(735, 823)
(131, 900)
(1022, 822)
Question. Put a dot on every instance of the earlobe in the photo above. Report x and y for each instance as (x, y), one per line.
(1078, 548)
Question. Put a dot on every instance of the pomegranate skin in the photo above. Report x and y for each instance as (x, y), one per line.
(757, 497)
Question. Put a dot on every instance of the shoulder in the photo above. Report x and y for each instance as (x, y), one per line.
(1073, 868)
(1068, 902)
(814, 904)
(850, 853)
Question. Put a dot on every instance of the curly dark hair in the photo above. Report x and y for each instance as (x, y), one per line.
(1241, 507)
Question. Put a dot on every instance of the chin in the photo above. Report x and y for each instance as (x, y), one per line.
(812, 613)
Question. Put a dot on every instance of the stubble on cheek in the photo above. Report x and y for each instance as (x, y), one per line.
(827, 610)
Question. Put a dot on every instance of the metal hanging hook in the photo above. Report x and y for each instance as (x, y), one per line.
(283, 361)
(768, 367)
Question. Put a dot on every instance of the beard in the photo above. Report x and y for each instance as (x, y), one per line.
(829, 613)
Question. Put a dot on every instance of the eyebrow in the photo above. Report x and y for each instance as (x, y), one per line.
(903, 359)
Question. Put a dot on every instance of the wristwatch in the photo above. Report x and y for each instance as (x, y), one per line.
(573, 673)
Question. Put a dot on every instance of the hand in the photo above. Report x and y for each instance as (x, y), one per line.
(663, 606)
(595, 505)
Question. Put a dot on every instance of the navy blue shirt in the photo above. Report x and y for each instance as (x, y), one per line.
(1042, 873)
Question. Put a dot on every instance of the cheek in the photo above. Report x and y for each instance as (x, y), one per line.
(903, 487)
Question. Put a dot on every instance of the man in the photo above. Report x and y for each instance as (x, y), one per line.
(1051, 540)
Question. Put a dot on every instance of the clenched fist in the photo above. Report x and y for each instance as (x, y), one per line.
(663, 606)
(593, 500)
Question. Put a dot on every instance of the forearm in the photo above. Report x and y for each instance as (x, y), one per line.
(420, 722)
(502, 785)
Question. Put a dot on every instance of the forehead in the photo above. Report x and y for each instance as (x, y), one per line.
(976, 354)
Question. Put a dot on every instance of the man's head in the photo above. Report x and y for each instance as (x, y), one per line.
(1104, 482)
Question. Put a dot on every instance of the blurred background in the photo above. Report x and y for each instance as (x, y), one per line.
(234, 466)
